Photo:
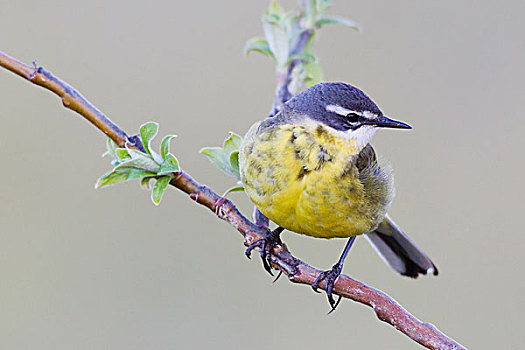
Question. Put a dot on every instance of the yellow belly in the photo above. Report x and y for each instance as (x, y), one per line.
(302, 178)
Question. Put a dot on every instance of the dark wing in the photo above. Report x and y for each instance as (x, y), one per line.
(390, 242)
(366, 159)
(377, 180)
(398, 251)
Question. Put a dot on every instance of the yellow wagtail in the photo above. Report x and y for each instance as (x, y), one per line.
(311, 170)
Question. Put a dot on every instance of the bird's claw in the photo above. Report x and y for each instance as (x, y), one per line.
(266, 246)
(330, 277)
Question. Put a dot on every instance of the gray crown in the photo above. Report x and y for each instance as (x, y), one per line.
(313, 102)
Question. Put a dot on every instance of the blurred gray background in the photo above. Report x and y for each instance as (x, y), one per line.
(105, 269)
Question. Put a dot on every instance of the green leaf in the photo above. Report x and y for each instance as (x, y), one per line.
(234, 141)
(145, 165)
(303, 56)
(119, 175)
(144, 162)
(314, 74)
(217, 156)
(310, 13)
(304, 75)
(147, 132)
(277, 42)
(338, 20)
(309, 7)
(159, 188)
(224, 157)
(122, 154)
(111, 146)
(233, 189)
(165, 145)
(322, 6)
(258, 45)
(234, 163)
(275, 10)
(277, 31)
(170, 165)
(135, 153)
(297, 80)
(145, 182)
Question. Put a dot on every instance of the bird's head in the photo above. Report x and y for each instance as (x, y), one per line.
(344, 108)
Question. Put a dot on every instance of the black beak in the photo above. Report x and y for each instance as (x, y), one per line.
(384, 122)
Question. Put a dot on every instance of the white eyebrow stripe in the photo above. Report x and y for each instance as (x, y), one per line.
(340, 110)
(369, 115)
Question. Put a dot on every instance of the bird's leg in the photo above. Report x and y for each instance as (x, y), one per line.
(331, 276)
(266, 245)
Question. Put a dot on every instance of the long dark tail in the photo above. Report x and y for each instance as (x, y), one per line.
(398, 251)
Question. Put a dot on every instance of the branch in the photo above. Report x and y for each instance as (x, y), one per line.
(386, 308)
(70, 97)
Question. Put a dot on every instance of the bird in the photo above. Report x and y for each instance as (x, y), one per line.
(311, 170)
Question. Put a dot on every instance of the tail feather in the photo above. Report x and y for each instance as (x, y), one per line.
(398, 251)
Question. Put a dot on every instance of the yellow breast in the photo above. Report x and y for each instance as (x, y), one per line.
(302, 178)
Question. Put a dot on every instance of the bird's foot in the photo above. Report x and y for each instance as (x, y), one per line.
(330, 277)
(266, 246)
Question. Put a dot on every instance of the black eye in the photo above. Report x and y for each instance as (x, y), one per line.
(352, 117)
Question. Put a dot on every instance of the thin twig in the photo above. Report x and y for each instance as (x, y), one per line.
(386, 308)
(70, 97)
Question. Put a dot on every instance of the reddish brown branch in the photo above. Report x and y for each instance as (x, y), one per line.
(70, 97)
(386, 308)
